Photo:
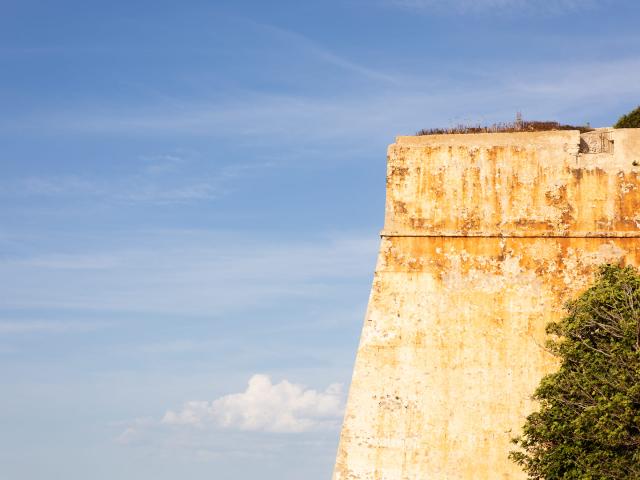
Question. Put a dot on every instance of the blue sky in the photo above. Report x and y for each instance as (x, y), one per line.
(190, 198)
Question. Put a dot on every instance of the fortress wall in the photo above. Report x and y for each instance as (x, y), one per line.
(485, 237)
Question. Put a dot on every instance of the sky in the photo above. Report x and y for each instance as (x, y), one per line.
(190, 200)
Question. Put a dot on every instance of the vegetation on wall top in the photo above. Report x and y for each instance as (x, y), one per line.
(517, 126)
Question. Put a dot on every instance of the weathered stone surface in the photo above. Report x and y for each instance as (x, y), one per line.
(485, 237)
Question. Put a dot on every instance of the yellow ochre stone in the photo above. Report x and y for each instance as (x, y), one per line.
(485, 237)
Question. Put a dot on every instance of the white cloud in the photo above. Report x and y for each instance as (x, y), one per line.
(264, 406)
(259, 419)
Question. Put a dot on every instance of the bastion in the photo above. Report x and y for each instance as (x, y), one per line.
(486, 236)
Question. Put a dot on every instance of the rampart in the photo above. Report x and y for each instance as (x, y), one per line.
(485, 237)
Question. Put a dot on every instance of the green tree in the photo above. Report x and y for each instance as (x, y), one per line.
(588, 424)
(630, 120)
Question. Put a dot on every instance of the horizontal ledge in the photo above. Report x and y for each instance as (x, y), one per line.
(385, 233)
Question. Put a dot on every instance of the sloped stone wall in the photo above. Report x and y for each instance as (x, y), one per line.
(486, 236)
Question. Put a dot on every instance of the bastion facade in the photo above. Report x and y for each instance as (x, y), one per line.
(485, 237)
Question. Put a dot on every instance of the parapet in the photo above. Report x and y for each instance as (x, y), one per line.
(538, 184)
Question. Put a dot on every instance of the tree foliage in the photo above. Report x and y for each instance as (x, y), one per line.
(630, 120)
(588, 424)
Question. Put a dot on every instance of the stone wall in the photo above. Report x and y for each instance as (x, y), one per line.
(485, 237)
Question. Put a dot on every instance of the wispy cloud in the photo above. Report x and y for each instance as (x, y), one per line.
(69, 262)
(199, 272)
(496, 6)
(160, 164)
(380, 113)
(152, 193)
(133, 188)
(176, 346)
(579, 81)
(157, 182)
(324, 54)
(48, 326)
(67, 185)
